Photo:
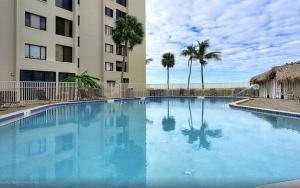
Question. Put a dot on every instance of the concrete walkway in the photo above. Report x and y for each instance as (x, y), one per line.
(274, 104)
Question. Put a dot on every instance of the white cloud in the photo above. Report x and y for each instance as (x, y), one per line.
(253, 35)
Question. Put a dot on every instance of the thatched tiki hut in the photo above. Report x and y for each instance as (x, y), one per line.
(279, 81)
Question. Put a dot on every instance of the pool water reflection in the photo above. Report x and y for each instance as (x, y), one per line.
(178, 142)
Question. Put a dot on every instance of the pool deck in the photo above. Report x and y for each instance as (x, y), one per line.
(10, 110)
(274, 104)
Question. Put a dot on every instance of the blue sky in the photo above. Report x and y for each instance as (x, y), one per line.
(253, 35)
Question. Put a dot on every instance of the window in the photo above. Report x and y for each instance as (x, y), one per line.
(63, 75)
(109, 12)
(111, 83)
(35, 52)
(64, 27)
(109, 48)
(109, 66)
(120, 14)
(35, 21)
(35, 147)
(119, 66)
(78, 62)
(78, 18)
(64, 53)
(65, 4)
(63, 143)
(78, 41)
(120, 50)
(122, 2)
(108, 30)
(38, 76)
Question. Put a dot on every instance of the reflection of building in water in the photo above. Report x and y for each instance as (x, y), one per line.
(279, 122)
(43, 145)
(87, 142)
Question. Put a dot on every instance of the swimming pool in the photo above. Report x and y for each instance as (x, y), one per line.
(163, 141)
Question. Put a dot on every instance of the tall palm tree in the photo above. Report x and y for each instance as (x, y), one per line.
(84, 80)
(203, 56)
(168, 61)
(129, 32)
(189, 52)
(147, 61)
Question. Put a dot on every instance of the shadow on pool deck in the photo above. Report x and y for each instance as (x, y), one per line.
(274, 104)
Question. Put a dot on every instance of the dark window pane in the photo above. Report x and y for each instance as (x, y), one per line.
(65, 4)
(64, 27)
(50, 76)
(60, 26)
(38, 76)
(41, 76)
(25, 75)
(109, 12)
(63, 76)
(27, 19)
(120, 14)
(43, 23)
(67, 54)
(122, 2)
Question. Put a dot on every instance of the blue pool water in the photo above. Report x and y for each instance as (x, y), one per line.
(175, 142)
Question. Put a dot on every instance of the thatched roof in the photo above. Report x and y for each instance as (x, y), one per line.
(288, 72)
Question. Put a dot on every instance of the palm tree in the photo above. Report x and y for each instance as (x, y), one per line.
(84, 80)
(189, 52)
(129, 32)
(203, 56)
(168, 61)
(147, 61)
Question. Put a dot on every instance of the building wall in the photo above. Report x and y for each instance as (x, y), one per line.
(276, 90)
(91, 31)
(7, 38)
(46, 38)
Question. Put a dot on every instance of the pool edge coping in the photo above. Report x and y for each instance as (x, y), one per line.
(20, 114)
(14, 116)
(237, 105)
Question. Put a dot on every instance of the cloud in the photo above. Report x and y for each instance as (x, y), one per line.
(252, 35)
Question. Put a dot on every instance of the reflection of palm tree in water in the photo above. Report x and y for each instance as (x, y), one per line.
(201, 133)
(169, 121)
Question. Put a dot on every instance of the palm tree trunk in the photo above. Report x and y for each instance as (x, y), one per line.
(189, 79)
(124, 60)
(202, 76)
(168, 79)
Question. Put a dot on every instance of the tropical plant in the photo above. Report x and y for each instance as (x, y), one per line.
(168, 61)
(203, 56)
(128, 33)
(189, 52)
(84, 80)
(147, 61)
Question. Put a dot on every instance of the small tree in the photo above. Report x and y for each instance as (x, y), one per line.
(168, 61)
(129, 32)
(84, 80)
